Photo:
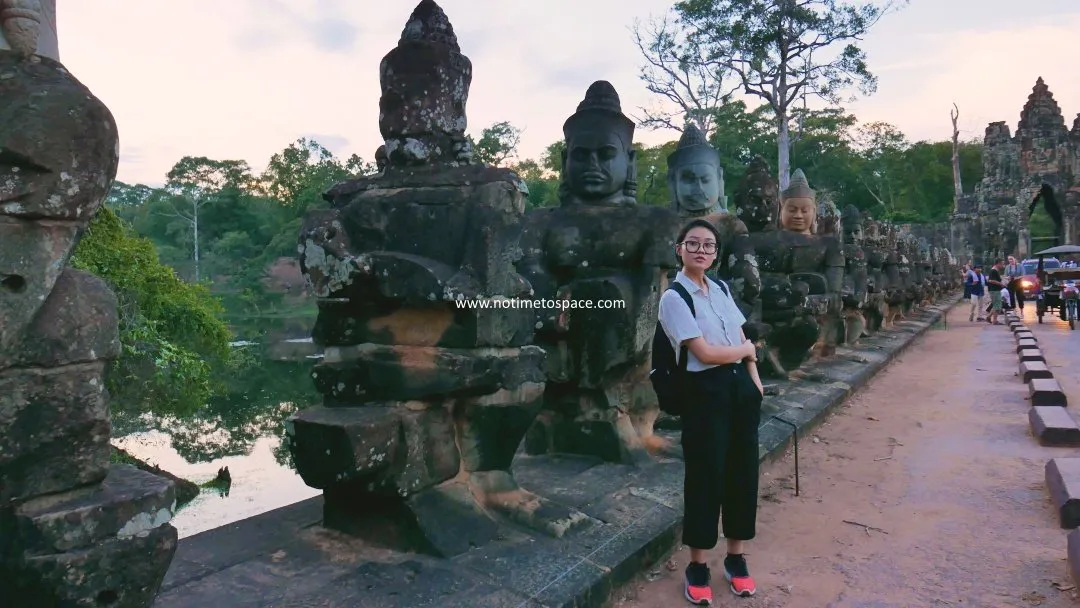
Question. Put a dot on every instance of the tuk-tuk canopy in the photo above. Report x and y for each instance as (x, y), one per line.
(1059, 250)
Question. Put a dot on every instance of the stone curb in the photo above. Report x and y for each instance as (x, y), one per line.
(1053, 426)
(1063, 484)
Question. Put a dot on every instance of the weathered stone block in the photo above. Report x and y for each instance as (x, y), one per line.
(1034, 369)
(65, 143)
(77, 324)
(1053, 426)
(1046, 391)
(128, 502)
(1063, 484)
(32, 256)
(1024, 334)
(369, 372)
(54, 429)
(490, 427)
(1031, 354)
(445, 325)
(1025, 343)
(124, 572)
(385, 449)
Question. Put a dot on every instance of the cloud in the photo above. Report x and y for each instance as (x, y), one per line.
(325, 25)
(335, 143)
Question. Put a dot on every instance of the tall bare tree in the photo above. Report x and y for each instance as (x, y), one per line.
(958, 186)
(679, 71)
(781, 51)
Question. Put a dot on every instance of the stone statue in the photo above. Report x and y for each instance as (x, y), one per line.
(877, 281)
(906, 248)
(74, 530)
(757, 197)
(425, 399)
(598, 246)
(790, 326)
(894, 264)
(696, 182)
(856, 276)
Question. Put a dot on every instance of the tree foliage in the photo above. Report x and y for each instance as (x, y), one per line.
(170, 330)
(497, 144)
(780, 51)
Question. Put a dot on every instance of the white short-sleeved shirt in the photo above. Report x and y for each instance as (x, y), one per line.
(718, 319)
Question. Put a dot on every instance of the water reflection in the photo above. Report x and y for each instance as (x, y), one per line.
(241, 429)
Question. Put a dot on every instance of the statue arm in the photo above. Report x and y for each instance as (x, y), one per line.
(742, 263)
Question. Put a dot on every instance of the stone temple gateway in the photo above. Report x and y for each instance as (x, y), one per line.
(1042, 156)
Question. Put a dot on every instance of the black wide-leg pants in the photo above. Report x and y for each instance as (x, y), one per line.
(720, 449)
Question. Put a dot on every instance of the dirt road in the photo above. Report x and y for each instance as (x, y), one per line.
(935, 459)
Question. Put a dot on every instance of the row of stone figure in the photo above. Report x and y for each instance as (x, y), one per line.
(428, 394)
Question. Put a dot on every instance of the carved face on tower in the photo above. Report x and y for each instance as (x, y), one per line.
(756, 196)
(598, 160)
(798, 205)
(695, 177)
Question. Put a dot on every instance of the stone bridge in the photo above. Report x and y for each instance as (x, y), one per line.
(507, 456)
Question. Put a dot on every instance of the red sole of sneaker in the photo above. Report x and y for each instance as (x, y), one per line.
(686, 592)
(747, 593)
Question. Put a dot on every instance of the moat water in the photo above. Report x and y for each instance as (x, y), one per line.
(241, 430)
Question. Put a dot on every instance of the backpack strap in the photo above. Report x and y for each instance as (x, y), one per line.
(683, 350)
(723, 286)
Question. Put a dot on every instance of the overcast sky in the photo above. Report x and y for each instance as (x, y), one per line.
(241, 79)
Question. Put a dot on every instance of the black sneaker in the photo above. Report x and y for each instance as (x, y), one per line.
(736, 571)
(698, 591)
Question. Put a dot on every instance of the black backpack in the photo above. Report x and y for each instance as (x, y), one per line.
(667, 377)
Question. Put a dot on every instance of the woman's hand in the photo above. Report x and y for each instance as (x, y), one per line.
(750, 351)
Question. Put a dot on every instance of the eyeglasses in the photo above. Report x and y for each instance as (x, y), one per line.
(695, 246)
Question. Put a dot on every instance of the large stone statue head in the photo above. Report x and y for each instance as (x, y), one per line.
(425, 85)
(756, 196)
(798, 205)
(598, 162)
(853, 225)
(695, 177)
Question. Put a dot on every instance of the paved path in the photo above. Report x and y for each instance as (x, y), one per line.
(936, 452)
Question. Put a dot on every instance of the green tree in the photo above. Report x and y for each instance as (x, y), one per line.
(776, 50)
(498, 144)
(193, 183)
(170, 330)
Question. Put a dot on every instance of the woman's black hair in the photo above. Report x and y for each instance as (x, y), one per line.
(700, 223)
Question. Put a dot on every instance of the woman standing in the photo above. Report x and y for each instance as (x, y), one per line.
(721, 415)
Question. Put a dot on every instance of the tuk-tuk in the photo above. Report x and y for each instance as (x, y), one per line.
(1058, 288)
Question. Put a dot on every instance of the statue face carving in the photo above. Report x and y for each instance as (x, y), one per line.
(798, 215)
(696, 186)
(596, 164)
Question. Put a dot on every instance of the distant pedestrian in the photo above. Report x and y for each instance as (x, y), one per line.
(995, 283)
(975, 286)
(1013, 273)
